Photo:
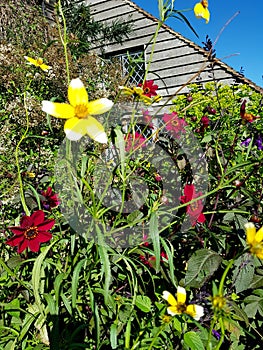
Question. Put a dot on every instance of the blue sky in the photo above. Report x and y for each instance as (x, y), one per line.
(239, 45)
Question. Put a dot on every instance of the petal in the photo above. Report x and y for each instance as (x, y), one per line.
(95, 130)
(18, 231)
(32, 61)
(37, 217)
(259, 253)
(99, 106)
(22, 246)
(196, 311)
(181, 295)
(46, 225)
(34, 244)
(75, 128)
(77, 94)
(58, 110)
(169, 298)
(173, 310)
(15, 240)
(44, 67)
(250, 232)
(259, 235)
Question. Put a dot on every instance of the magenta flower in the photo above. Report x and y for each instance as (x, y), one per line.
(174, 124)
(194, 210)
(133, 142)
(149, 88)
(33, 230)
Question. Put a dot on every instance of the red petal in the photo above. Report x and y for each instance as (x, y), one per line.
(15, 241)
(22, 246)
(33, 245)
(46, 225)
(37, 217)
(44, 237)
(19, 231)
(26, 221)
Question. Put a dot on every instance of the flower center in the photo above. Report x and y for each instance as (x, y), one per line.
(81, 111)
(174, 122)
(181, 308)
(147, 90)
(31, 232)
(194, 206)
(39, 61)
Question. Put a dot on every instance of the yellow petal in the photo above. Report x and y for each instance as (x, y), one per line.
(181, 295)
(77, 94)
(250, 232)
(196, 311)
(95, 130)
(75, 128)
(58, 110)
(201, 12)
(259, 254)
(32, 61)
(173, 310)
(44, 67)
(99, 106)
(259, 235)
(169, 298)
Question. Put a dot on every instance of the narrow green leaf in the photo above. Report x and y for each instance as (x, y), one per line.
(113, 336)
(75, 282)
(154, 234)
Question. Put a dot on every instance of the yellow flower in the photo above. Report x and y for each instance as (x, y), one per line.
(38, 63)
(138, 94)
(79, 113)
(218, 302)
(201, 10)
(254, 239)
(178, 306)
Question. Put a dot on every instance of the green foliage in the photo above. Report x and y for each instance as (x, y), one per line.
(92, 286)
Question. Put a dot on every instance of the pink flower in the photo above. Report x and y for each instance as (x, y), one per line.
(33, 230)
(174, 124)
(194, 210)
(134, 142)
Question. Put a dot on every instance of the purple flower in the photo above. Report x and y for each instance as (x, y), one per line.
(258, 143)
(246, 142)
(216, 334)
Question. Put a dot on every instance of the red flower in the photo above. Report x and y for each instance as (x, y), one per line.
(32, 231)
(134, 142)
(51, 199)
(174, 124)
(194, 210)
(147, 118)
(149, 89)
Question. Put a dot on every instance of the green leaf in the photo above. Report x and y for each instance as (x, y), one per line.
(154, 234)
(75, 281)
(202, 264)
(193, 340)
(143, 303)
(243, 273)
(113, 336)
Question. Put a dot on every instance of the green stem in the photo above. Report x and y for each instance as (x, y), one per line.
(21, 188)
(64, 38)
(222, 281)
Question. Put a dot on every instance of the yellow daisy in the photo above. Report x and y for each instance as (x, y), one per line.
(201, 10)
(38, 63)
(79, 113)
(254, 239)
(178, 306)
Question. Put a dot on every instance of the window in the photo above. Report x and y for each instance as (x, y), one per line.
(132, 62)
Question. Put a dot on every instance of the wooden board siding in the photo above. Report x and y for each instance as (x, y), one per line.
(175, 59)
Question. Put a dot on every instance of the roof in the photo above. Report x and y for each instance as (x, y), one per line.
(239, 77)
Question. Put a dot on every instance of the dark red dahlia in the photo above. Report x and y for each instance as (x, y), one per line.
(50, 200)
(32, 231)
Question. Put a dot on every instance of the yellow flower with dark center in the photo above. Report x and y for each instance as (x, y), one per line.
(79, 113)
(254, 239)
(178, 306)
(38, 63)
(201, 10)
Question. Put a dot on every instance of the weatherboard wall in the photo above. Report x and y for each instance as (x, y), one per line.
(176, 61)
